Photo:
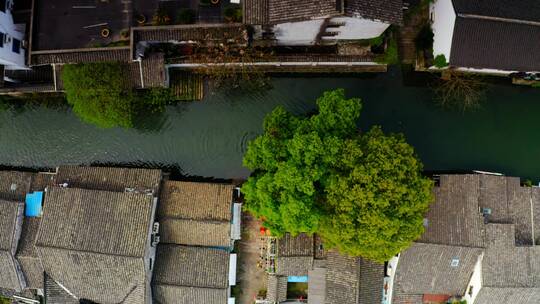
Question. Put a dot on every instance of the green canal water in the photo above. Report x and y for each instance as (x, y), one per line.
(208, 138)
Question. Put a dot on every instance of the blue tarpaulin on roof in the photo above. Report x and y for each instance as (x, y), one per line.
(33, 203)
(297, 279)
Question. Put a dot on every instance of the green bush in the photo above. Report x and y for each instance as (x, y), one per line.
(101, 94)
(364, 194)
(204, 2)
(377, 41)
(424, 38)
(440, 61)
(391, 55)
(233, 14)
(4, 300)
(185, 16)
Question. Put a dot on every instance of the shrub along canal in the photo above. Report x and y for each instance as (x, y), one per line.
(208, 138)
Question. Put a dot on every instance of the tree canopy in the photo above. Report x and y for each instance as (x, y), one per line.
(99, 93)
(364, 194)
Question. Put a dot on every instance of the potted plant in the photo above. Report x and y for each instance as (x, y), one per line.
(141, 19)
(105, 32)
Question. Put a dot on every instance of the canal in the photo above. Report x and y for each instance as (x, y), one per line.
(208, 138)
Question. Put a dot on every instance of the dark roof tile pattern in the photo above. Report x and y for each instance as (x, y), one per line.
(389, 11)
(507, 9)
(276, 288)
(255, 11)
(120, 54)
(298, 10)
(169, 294)
(110, 179)
(192, 232)
(489, 44)
(300, 245)
(426, 269)
(294, 265)
(351, 280)
(510, 295)
(14, 185)
(191, 266)
(197, 201)
(100, 278)
(27, 254)
(457, 195)
(55, 294)
(104, 222)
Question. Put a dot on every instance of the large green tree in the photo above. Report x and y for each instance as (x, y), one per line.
(363, 193)
(100, 93)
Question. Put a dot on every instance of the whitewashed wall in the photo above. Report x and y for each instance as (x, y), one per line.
(357, 28)
(476, 281)
(9, 58)
(443, 19)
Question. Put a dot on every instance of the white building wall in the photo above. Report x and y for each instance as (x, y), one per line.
(297, 33)
(356, 28)
(8, 57)
(443, 18)
(475, 283)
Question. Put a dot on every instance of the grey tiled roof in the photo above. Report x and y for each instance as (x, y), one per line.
(10, 222)
(110, 179)
(191, 232)
(255, 11)
(508, 9)
(191, 266)
(55, 294)
(96, 221)
(297, 10)
(351, 280)
(197, 201)
(14, 185)
(294, 265)
(490, 44)
(512, 295)
(104, 54)
(454, 219)
(8, 276)
(300, 245)
(27, 254)
(389, 11)
(169, 294)
(276, 290)
(426, 269)
(93, 242)
(100, 278)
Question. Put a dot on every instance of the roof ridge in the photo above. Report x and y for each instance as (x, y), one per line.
(39, 245)
(499, 19)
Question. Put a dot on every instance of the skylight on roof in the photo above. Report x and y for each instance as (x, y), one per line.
(455, 262)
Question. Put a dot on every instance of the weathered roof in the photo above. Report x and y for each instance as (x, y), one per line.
(506, 9)
(9, 213)
(93, 242)
(513, 295)
(493, 44)
(427, 269)
(110, 179)
(169, 294)
(14, 185)
(55, 294)
(294, 265)
(191, 266)
(153, 71)
(300, 245)
(351, 280)
(27, 254)
(389, 11)
(507, 265)
(276, 290)
(297, 10)
(104, 54)
(8, 276)
(454, 219)
(197, 201)
(192, 232)
(96, 221)
(10, 225)
(281, 11)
